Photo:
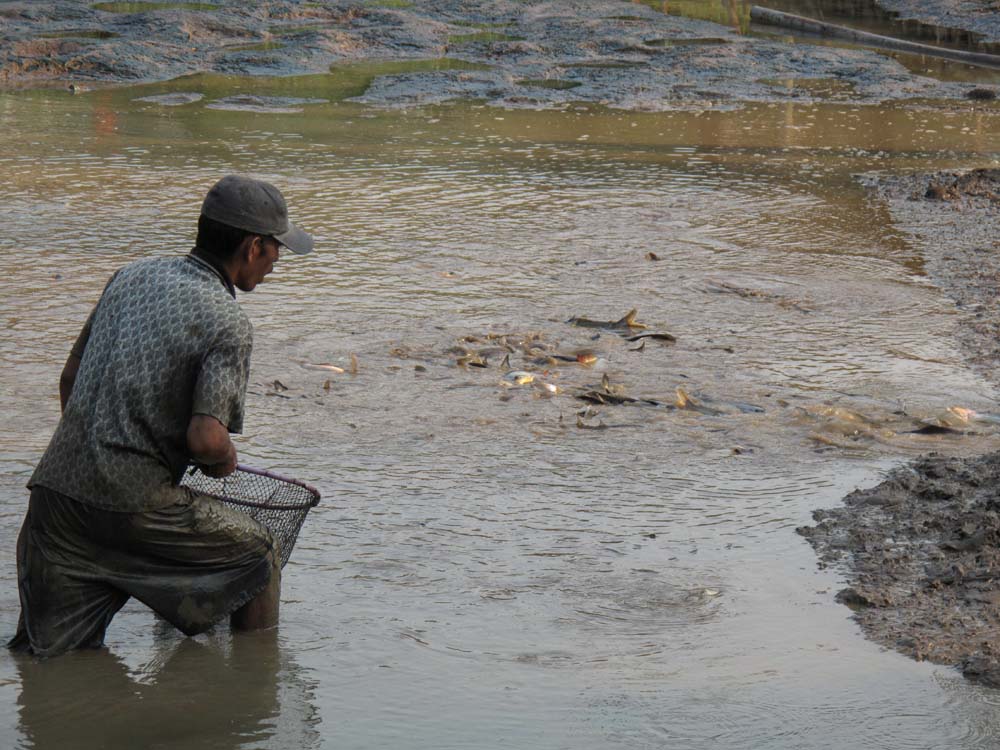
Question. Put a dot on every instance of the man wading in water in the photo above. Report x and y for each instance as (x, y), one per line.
(156, 381)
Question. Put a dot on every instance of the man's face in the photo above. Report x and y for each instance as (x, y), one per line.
(258, 262)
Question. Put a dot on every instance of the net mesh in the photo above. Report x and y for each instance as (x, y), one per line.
(279, 503)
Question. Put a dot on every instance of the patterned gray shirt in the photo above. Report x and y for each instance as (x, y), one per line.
(167, 340)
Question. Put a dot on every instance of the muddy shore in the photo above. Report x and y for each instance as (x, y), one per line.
(921, 550)
(534, 54)
(980, 17)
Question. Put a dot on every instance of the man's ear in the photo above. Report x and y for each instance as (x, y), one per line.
(245, 249)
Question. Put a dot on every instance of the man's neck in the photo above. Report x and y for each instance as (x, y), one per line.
(220, 268)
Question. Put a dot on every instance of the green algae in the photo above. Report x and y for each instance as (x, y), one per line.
(258, 47)
(79, 34)
(344, 81)
(549, 83)
(734, 13)
(484, 36)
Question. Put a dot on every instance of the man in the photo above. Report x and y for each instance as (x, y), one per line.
(156, 381)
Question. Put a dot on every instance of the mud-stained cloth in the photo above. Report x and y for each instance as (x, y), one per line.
(193, 562)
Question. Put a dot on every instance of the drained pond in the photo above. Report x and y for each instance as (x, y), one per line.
(600, 555)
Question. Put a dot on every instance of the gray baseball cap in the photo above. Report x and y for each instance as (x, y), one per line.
(256, 206)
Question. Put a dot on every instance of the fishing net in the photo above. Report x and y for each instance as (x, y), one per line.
(279, 503)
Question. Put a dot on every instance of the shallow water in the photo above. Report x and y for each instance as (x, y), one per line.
(482, 572)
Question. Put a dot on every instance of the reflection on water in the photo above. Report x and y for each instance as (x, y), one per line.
(190, 694)
(482, 571)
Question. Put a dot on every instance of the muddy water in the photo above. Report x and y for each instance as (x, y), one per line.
(482, 571)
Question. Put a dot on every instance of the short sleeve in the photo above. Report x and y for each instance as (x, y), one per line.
(81, 341)
(220, 390)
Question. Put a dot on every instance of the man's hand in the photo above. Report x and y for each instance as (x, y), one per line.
(210, 447)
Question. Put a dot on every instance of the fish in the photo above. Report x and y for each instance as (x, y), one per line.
(331, 368)
(685, 401)
(656, 336)
(471, 360)
(597, 397)
(581, 356)
(627, 322)
(613, 394)
(518, 377)
(838, 422)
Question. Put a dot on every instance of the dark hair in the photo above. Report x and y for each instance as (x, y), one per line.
(217, 239)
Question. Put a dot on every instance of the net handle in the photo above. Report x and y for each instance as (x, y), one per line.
(274, 475)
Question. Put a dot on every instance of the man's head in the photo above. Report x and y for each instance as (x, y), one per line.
(243, 223)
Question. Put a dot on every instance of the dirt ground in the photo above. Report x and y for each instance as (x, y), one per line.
(527, 54)
(921, 551)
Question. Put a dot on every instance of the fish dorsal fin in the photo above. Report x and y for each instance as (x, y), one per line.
(629, 321)
(683, 400)
(505, 365)
(606, 383)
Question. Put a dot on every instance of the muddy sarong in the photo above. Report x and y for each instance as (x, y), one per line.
(193, 562)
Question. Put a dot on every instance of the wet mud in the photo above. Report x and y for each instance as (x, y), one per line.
(921, 551)
(980, 17)
(537, 55)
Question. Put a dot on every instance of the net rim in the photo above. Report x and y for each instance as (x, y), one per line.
(311, 503)
(281, 478)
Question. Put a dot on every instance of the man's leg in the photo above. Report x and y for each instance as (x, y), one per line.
(198, 561)
(261, 612)
(65, 603)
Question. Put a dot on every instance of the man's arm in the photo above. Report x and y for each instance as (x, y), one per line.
(210, 447)
(68, 378)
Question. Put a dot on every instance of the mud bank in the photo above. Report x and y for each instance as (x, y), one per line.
(523, 54)
(921, 551)
(978, 16)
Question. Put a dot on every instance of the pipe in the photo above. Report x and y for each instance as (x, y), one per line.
(801, 23)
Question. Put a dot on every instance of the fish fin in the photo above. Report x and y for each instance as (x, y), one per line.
(629, 321)
(505, 365)
(606, 383)
(683, 401)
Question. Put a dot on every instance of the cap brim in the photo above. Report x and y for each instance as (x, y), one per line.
(296, 240)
